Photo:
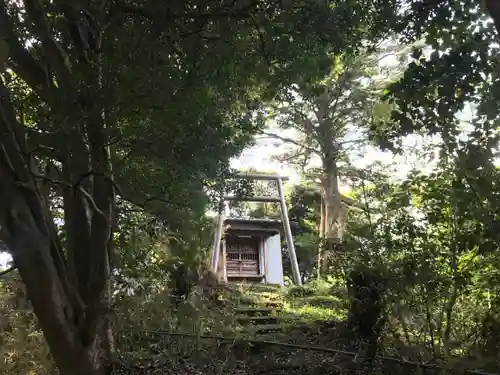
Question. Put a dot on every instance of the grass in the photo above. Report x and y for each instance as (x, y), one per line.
(307, 313)
(312, 304)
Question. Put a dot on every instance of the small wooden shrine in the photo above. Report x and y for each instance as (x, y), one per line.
(251, 251)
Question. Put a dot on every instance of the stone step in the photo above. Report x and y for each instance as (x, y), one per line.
(246, 300)
(256, 300)
(257, 320)
(269, 296)
(260, 287)
(267, 328)
(252, 311)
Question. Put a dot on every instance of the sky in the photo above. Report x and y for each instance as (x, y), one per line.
(261, 154)
(260, 157)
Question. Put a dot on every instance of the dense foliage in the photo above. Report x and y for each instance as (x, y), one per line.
(118, 120)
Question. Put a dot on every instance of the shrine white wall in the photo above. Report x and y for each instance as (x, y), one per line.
(272, 260)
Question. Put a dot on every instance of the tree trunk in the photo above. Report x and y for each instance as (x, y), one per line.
(60, 320)
(321, 246)
(493, 7)
(452, 299)
(72, 311)
(334, 226)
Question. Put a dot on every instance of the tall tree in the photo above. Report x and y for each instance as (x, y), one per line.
(330, 117)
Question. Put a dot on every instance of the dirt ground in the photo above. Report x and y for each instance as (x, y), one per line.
(277, 363)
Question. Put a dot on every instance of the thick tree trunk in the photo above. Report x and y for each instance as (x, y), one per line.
(334, 215)
(63, 325)
(72, 311)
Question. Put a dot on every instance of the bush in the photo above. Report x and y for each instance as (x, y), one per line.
(325, 302)
(23, 348)
(300, 291)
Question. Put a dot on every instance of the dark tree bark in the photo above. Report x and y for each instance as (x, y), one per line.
(493, 7)
(69, 291)
(70, 326)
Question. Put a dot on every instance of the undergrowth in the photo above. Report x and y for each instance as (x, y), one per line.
(149, 330)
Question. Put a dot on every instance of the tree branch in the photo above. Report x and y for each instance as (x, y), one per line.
(493, 7)
(262, 40)
(77, 188)
(289, 140)
(8, 270)
(54, 52)
(300, 347)
(21, 61)
(352, 141)
(292, 158)
(106, 178)
(158, 199)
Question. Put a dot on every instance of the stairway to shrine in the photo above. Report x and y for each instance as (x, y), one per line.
(257, 308)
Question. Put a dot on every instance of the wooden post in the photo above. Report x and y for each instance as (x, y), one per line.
(288, 234)
(224, 261)
(217, 239)
(264, 258)
(321, 237)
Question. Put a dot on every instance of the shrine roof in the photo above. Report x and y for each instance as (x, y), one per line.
(253, 223)
(252, 220)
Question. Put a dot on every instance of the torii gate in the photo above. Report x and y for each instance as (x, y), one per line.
(284, 218)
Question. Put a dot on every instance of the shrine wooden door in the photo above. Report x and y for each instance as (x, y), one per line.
(242, 256)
